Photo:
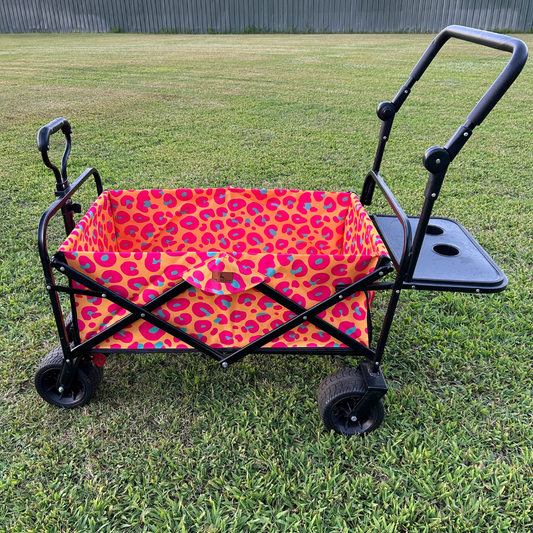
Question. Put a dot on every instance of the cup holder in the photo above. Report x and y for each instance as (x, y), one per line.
(446, 249)
(434, 230)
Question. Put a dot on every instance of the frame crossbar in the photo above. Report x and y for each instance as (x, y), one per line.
(144, 312)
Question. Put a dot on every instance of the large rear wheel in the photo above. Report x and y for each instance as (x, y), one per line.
(338, 394)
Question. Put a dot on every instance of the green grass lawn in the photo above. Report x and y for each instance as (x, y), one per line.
(172, 442)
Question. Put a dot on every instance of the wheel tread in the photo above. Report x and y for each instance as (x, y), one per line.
(344, 382)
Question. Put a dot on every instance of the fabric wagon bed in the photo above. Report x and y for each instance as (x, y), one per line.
(223, 242)
(231, 272)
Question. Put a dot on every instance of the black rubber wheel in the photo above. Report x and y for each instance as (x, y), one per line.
(80, 392)
(338, 394)
(69, 326)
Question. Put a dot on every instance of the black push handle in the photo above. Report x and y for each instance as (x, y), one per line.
(43, 137)
(516, 47)
(43, 144)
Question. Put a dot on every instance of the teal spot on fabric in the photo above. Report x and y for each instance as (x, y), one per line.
(91, 214)
(168, 202)
(211, 254)
(256, 240)
(226, 304)
(184, 329)
(155, 329)
(197, 281)
(297, 270)
(319, 261)
(140, 345)
(132, 232)
(247, 221)
(263, 191)
(129, 202)
(327, 206)
(319, 294)
(217, 261)
(270, 271)
(149, 233)
(272, 232)
(290, 202)
(147, 203)
(113, 312)
(161, 314)
(215, 291)
(105, 257)
(269, 304)
(151, 296)
(285, 289)
(218, 227)
(235, 221)
(159, 344)
(183, 194)
(222, 195)
(264, 220)
(351, 331)
(224, 214)
(207, 313)
(305, 235)
(337, 345)
(307, 206)
(137, 285)
(92, 300)
(207, 216)
(155, 260)
(223, 241)
(217, 320)
(275, 205)
(190, 223)
(122, 333)
(255, 210)
(246, 300)
(263, 314)
(174, 273)
(265, 249)
(106, 280)
(90, 313)
(235, 284)
(358, 311)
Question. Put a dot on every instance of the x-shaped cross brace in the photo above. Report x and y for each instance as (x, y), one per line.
(144, 312)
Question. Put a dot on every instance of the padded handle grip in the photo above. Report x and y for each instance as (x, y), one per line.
(43, 136)
(516, 47)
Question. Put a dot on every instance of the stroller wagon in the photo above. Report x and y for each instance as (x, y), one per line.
(230, 272)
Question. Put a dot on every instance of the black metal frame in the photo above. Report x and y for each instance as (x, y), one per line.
(436, 161)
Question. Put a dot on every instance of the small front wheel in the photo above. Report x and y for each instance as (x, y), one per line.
(338, 394)
(83, 386)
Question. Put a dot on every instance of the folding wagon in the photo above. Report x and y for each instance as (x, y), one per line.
(230, 272)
